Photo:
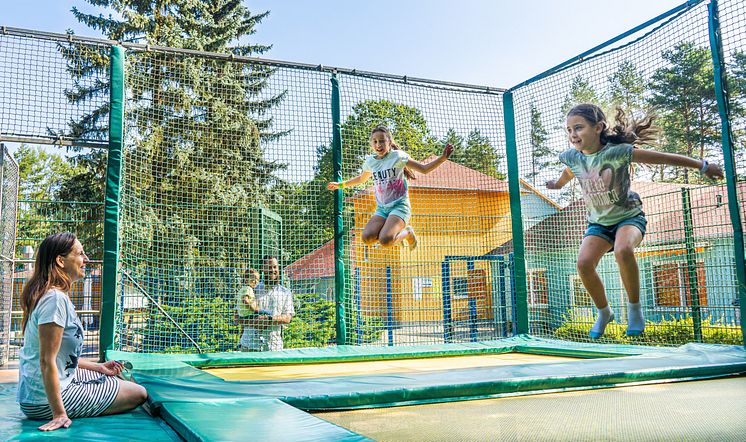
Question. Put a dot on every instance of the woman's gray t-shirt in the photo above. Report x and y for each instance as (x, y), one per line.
(53, 307)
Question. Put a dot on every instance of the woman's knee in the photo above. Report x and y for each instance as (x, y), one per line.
(133, 394)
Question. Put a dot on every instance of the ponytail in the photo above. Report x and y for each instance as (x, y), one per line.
(635, 132)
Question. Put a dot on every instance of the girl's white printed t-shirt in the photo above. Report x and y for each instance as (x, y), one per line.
(389, 183)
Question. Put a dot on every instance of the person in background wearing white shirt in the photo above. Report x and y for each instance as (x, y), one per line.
(263, 332)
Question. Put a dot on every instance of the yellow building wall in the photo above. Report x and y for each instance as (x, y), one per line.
(447, 223)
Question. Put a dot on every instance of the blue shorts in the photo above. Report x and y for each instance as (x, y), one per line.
(402, 209)
(609, 232)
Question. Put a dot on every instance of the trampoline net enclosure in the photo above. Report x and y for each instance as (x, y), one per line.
(224, 160)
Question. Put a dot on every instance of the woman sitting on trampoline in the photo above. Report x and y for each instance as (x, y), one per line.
(54, 382)
(600, 159)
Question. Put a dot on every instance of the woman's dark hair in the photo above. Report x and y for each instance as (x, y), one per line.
(625, 130)
(384, 130)
(47, 273)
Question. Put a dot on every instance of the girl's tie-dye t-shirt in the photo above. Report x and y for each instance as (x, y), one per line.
(605, 183)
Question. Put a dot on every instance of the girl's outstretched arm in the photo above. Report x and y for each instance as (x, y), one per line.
(432, 165)
(559, 183)
(707, 169)
(363, 177)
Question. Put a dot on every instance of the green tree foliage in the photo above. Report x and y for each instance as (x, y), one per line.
(196, 167)
(209, 321)
(683, 93)
(475, 152)
(314, 324)
(44, 207)
(627, 89)
(542, 155)
(581, 91)
(736, 82)
(41, 173)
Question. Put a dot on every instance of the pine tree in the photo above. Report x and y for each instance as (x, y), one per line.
(194, 168)
(581, 91)
(684, 94)
(627, 89)
(475, 152)
(542, 155)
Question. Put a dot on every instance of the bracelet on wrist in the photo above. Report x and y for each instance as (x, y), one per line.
(705, 164)
(342, 185)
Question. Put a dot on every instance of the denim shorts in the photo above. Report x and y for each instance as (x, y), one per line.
(402, 209)
(609, 232)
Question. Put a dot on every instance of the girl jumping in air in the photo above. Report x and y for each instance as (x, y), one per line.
(600, 160)
(390, 167)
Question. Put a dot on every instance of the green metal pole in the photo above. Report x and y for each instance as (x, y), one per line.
(339, 268)
(514, 186)
(111, 205)
(691, 263)
(729, 161)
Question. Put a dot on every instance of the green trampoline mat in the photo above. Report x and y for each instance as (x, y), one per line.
(136, 425)
(195, 402)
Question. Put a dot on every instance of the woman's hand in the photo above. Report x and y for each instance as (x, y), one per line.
(332, 186)
(110, 368)
(56, 423)
(447, 151)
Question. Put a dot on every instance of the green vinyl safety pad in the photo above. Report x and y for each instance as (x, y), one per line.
(201, 406)
(135, 425)
(250, 419)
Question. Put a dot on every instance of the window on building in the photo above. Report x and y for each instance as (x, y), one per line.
(674, 286)
(580, 296)
(538, 287)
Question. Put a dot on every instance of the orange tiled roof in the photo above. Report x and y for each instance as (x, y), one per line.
(317, 264)
(450, 175)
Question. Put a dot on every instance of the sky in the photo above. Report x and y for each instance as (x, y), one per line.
(495, 43)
